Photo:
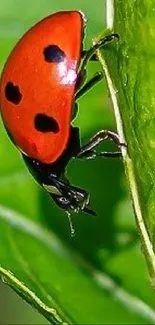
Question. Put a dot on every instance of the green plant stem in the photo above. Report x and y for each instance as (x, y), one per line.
(129, 69)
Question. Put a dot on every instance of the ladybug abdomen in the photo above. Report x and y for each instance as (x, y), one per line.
(38, 85)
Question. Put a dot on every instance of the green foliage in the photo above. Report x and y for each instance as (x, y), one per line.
(131, 68)
(99, 276)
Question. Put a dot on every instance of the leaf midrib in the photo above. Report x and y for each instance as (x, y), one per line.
(126, 299)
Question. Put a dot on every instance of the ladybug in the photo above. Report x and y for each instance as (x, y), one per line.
(42, 80)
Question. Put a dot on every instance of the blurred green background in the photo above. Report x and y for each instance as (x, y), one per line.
(109, 242)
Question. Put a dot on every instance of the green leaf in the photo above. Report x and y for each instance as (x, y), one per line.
(87, 279)
(130, 67)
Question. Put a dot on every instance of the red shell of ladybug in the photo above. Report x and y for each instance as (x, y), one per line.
(38, 85)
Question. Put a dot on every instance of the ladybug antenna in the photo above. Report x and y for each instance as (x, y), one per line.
(72, 229)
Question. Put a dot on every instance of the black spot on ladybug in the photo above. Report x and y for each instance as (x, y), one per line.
(53, 53)
(13, 93)
(45, 123)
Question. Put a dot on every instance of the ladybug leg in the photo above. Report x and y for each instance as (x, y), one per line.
(68, 197)
(90, 84)
(102, 42)
(65, 203)
(72, 199)
(88, 151)
(93, 57)
(87, 56)
(92, 154)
